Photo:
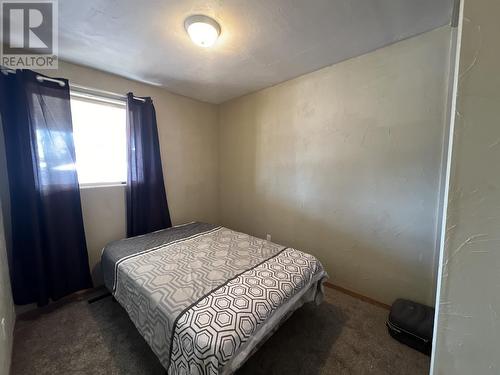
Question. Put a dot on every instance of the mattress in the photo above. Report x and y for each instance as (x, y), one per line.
(205, 297)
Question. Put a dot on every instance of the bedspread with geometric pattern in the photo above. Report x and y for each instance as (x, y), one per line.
(203, 296)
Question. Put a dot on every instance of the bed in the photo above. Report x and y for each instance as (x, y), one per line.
(205, 297)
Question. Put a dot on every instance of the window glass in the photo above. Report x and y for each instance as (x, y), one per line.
(99, 131)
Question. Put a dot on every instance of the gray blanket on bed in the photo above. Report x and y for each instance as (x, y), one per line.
(199, 293)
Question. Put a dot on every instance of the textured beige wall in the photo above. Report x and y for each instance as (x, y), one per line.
(104, 216)
(188, 141)
(7, 314)
(345, 163)
(468, 326)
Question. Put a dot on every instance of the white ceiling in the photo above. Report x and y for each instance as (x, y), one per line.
(263, 42)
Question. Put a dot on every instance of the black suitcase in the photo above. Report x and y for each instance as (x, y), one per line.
(412, 323)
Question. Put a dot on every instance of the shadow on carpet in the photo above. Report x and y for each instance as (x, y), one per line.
(341, 336)
(300, 346)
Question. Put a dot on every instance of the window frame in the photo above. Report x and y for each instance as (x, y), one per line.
(101, 98)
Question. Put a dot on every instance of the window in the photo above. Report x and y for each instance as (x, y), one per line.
(99, 132)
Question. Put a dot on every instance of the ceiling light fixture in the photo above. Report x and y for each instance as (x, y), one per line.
(202, 30)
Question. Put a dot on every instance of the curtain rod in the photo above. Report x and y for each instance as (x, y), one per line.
(102, 92)
(75, 86)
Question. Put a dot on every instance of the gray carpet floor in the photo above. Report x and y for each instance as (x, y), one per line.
(341, 336)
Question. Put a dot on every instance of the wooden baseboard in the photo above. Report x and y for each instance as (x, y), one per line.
(357, 295)
(85, 294)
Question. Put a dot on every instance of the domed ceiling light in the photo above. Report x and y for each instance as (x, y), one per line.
(202, 30)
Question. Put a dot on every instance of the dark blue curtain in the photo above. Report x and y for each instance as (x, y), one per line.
(147, 208)
(49, 254)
